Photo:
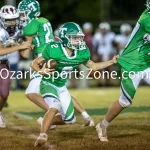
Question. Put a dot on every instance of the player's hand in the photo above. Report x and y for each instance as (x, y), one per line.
(13, 43)
(31, 48)
(114, 60)
(45, 71)
(25, 45)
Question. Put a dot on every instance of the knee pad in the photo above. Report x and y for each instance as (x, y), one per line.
(124, 103)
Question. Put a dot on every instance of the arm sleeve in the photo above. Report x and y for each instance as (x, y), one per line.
(31, 29)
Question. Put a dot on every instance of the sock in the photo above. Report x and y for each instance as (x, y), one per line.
(85, 114)
(44, 135)
(105, 123)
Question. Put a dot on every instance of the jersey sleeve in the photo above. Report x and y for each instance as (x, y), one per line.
(1, 38)
(3, 35)
(31, 29)
(87, 55)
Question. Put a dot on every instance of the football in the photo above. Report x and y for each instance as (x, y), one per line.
(50, 63)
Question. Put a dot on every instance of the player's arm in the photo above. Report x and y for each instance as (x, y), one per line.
(35, 66)
(100, 65)
(29, 31)
(8, 50)
(25, 53)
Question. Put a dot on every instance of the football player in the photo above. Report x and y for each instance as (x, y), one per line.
(9, 18)
(135, 62)
(69, 54)
(38, 30)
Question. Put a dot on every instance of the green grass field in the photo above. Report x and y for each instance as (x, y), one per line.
(131, 130)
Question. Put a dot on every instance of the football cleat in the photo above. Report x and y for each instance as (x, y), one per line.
(41, 140)
(40, 120)
(102, 132)
(2, 121)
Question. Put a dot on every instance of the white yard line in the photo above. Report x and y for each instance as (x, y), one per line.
(16, 114)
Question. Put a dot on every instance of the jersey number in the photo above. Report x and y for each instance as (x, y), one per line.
(54, 46)
(47, 27)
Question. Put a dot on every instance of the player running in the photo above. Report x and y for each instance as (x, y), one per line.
(38, 30)
(69, 54)
(135, 62)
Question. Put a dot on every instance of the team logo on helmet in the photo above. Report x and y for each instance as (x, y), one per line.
(28, 9)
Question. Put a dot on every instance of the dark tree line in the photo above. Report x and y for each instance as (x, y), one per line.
(80, 11)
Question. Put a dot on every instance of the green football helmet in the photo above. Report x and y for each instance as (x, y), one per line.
(28, 9)
(72, 36)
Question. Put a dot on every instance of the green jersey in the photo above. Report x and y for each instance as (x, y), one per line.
(65, 63)
(41, 29)
(136, 55)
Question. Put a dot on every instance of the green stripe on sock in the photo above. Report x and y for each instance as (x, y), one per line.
(70, 109)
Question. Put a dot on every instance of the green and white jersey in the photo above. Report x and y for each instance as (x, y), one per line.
(136, 55)
(41, 29)
(65, 63)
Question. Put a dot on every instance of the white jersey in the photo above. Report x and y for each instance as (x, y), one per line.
(8, 40)
(4, 36)
(121, 40)
(104, 44)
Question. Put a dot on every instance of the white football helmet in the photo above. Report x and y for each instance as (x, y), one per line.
(104, 25)
(8, 16)
(125, 28)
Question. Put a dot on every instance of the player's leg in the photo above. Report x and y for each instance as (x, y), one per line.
(67, 106)
(128, 90)
(47, 122)
(50, 95)
(4, 91)
(88, 120)
(32, 93)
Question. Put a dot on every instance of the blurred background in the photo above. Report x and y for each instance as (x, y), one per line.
(107, 25)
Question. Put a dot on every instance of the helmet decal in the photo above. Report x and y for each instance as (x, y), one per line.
(8, 12)
(61, 30)
(31, 5)
(28, 9)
